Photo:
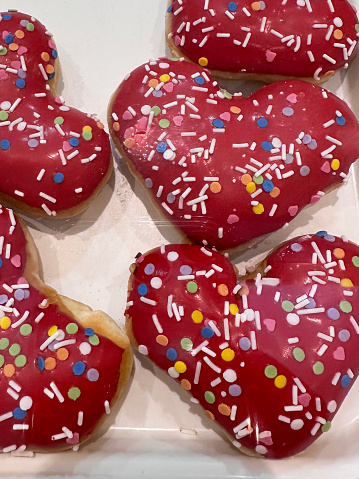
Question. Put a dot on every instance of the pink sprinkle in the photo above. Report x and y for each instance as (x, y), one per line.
(22, 280)
(293, 210)
(16, 65)
(268, 441)
(3, 75)
(270, 56)
(326, 167)
(140, 259)
(22, 50)
(177, 40)
(128, 133)
(140, 139)
(4, 33)
(339, 353)
(127, 115)
(292, 98)
(16, 261)
(59, 101)
(141, 125)
(232, 219)
(225, 116)
(177, 120)
(74, 439)
(66, 146)
(270, 324)
(168, 87)
(304, 399)
(52, 45)
(315, 199)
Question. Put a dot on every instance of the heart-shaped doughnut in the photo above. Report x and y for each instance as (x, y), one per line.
(225, 169)
(264, 40)
(62, 365)
(54, 159)
(270, 359)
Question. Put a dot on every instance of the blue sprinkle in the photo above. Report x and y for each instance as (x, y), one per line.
(89, 332)
(262, 122)
(267, 146)
(9, 38)
(218, 123)
(58, 177)
(199, 80)
(345, 381)
(40, 363)
(267, 185)
(340, 120)
(171, 354)
(232, 6)
(207, 332)
(20, 83)
(161, 147)
(5, 144)
(78, 368)
(18, 413)
(51, 76)
(321, 234)
(0, 262)
(142, 289)
(7, 17)
(54, 54)
(74, 142)
(169, 9)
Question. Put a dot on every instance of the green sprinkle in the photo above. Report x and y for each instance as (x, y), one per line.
(318, 368)
(209, 397)
(4, 115)
(59, 120)
(299, 354)
(72, 328)
(4, 343)
(15, 349)
(20, 361)
(94, 340)
(87, 135)
(326, 426)
(227, 94)
(288, 306)
(357, 27)
(192, 287)
(270, 372)
(345, 306)
(74, 393)
(2, 360)
(3, 51)
(355, 260)
(30, 27)
(26, 329)
(164, 123)
(186, 344)
(156, 110)
(258, 179)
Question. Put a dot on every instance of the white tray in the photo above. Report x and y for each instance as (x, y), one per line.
(157, 432)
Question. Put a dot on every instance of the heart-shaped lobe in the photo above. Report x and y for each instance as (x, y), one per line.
(62, 365)
(273, 357)
(38, 174)
(226, 181)
(308, 39)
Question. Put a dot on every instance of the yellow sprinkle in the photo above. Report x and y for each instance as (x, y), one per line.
(251, 187)
(165, 78)
(52, 330)
(335, 164)
(346, 282)
(197, 316)
(227, 354)
(203, 61)
(87, 128)
(258, 209)
(5, 322)
(233, 309)
(280, 381)
(180, 367)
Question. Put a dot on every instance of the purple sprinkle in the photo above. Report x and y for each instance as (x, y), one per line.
(296, 247)
(19, 294)
(26, 293)
(288, 111)
(333, 313)
(3, 298)
(150, 268)
(244, 344)
(312, 145)
(344, 335)
(305, 170)
(21, 74)
(171, 198)
(234, 390)
(93, 375)
(148, 182)
(185, 269)
(288, 159)
(33, 143)
(311, 305)
(23, 23)
(329, 238)
(306, 139)
(157, 93)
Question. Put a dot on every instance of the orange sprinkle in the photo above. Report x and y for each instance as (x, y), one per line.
(62, 354)
(19, 34)
(223, 290)
(49, 69)
(153, 83)
(9, 370)
(275, 192)
(256, 6)
(209, 415)
(338, 34)
(45, 56)
(186, 384)
(43, 306)
(162, 340)
(339, 253)
(224, 409)
(50, 363)
(215, 187)
(116, 126)
(246, 179)
(235, 109)
(203, 61)
(129, 142)
(100, 125)
(13, 47)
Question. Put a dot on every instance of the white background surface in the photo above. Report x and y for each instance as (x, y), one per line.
(87, 259)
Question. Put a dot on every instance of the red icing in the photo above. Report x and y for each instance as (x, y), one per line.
(46, 417)
(308, 51)
(26, 157)
(315, 352)
(301, 127)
